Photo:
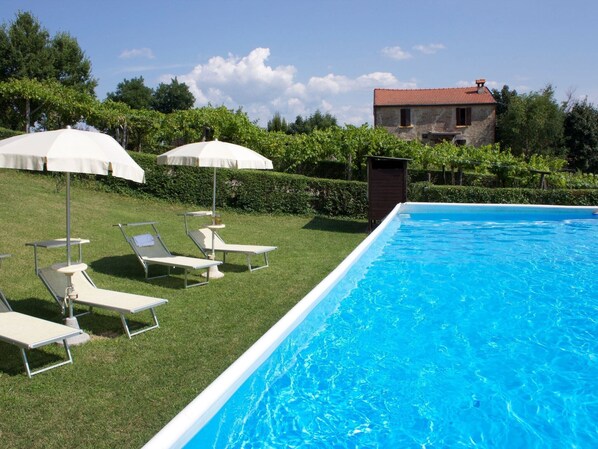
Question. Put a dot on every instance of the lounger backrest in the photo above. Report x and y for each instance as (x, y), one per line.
(148, 245)
(57, 282)
(4, 306)
(203, 238)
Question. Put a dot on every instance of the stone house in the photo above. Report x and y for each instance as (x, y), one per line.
(463, 115)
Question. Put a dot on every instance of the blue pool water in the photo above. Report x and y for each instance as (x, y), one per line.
(448, 333)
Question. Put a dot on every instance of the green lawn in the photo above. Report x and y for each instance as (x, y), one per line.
(120, 392)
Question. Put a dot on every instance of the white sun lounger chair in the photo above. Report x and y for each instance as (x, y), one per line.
(151, 250)
(91, 296)
(203, 239)
(28, 332)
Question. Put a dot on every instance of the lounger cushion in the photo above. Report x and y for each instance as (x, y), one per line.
(116, 301)
(30, 332)
(89, 295)
(191, 263)
(203, 238)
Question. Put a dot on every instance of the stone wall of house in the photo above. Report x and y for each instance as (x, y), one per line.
(433, 123)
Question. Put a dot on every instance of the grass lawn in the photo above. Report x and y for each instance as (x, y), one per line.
(120, 392)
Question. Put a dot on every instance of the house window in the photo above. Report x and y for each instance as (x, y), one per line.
(405, 117)
(463, 116)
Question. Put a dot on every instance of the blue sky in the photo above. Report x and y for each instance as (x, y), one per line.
(295, 57)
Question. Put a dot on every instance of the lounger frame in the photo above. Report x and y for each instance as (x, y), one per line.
(166, 258)
(55, 290)
(23, 347)
(247, 250)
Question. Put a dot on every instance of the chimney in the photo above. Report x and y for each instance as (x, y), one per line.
(480, 84)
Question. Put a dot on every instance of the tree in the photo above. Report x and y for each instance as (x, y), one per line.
(28, 52)
(532, 124)
(315, 121)
(278, 123)
(581, 136)
(133, 93)
(172, 97)
(503, 99)
(71, 67)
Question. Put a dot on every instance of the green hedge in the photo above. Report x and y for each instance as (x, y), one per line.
(426, 192)
(5, 133)
(248, 190)
(273, 192)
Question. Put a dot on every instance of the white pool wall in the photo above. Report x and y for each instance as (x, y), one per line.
(523, 209)
(194, 416)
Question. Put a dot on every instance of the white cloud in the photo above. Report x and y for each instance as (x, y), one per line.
(261, 89)
(429, 49)
(396, 53)
(146, 53)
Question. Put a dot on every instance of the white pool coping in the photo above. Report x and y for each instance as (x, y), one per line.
(184, 426)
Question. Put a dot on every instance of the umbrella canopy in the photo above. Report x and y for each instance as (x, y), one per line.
(69, 151)
(215, 154)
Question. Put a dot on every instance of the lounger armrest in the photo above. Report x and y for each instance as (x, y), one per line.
(141, 223)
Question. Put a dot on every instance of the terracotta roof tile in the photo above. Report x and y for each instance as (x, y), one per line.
(424, 97)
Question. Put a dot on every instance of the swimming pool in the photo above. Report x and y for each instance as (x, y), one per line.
(450, 326)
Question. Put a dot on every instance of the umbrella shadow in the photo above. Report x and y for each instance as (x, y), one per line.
(337, 225)
(126, 266)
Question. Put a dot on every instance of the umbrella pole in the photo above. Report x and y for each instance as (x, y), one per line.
(70, 294)
(214, 214)
(214, 199)
(68, 218)
(213, 271)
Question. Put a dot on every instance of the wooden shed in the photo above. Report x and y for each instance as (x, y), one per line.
(387, 186)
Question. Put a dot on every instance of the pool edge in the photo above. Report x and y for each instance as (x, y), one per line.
(181, 429)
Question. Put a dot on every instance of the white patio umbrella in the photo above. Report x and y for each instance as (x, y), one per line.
(69, 151)
(215, 154)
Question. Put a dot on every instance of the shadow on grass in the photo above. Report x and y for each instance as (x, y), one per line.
(100, 323)
(128, 267)
(97, 324)
(11, 362)
(337, 225)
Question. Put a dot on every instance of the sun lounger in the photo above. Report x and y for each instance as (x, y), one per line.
(151, 250)
(28, 332)
(203, 239)
(91, 296)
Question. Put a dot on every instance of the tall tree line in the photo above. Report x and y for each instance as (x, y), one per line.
(535, 123)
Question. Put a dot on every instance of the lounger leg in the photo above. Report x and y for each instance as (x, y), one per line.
(24, 356)
(124, 322)
(266, 263)
(30, 373)
(145, 329)
(187, 285)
